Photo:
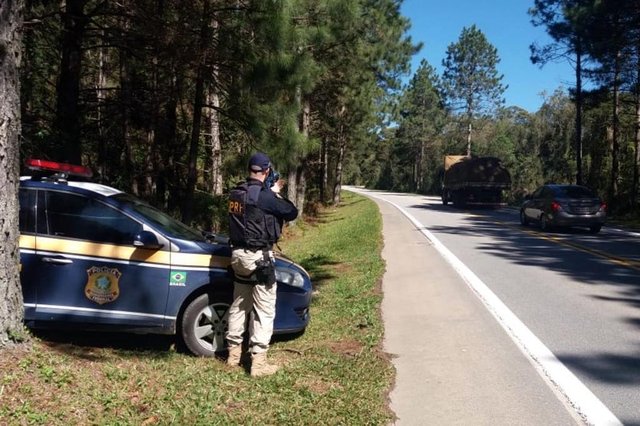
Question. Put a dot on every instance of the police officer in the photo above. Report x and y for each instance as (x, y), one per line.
(256, 217)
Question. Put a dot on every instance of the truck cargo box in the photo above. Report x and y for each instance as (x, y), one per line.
(474, 180)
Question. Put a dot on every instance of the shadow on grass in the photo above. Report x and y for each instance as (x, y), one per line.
(83, 344)
(327, 215)
(320, 268)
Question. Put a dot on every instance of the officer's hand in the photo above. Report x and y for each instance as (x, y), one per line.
(278, 185)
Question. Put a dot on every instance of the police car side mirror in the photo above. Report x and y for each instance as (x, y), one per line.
(146, 239)
(215, 238)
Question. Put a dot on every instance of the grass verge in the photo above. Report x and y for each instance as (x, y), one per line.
(335, 373)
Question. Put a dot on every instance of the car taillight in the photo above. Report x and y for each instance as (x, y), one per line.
(603, 206)
(555, 206)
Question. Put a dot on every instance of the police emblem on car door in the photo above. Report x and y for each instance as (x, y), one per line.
(90, 269)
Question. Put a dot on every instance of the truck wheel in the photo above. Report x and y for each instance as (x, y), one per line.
(205, 322)
(523, 218)
(445, 198)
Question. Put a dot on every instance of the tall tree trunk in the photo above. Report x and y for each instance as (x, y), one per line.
(635, 197)
(301, 187)
(337, 187)
(67, 124)
(126, 157)
(214, 144)
(469, 138)
(187, 209)
(198, 103)
(297, 181)
(342, 147)
(100, 96)
(213, 127)
(579, 102)
(165, 145)
(420, 162)
(11, 303)
(615, 143)
(325, 171)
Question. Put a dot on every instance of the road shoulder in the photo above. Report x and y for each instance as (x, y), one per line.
(454, 363)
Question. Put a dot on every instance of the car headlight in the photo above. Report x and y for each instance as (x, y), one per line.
(289, 277)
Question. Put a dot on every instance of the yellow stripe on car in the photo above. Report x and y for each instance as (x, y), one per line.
(159, 257)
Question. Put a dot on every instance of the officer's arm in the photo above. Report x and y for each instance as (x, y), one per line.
(277, 206)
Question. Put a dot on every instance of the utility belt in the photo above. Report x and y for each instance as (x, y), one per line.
(251, 247)
(265, 271)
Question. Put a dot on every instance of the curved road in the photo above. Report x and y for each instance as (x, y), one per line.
(491, 322)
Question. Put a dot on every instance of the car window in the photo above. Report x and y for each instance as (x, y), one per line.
(76, 216)
(548, 192)
(27, 215)
(576, 192)
(538, 193)
(163, 221)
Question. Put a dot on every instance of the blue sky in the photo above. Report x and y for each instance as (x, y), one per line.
(507, 26)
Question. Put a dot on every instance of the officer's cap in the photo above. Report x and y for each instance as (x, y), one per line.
(259, 162)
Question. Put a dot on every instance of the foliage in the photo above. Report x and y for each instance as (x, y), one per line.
(591, 137)
(290, 78)
(471, 80)
(422, 120)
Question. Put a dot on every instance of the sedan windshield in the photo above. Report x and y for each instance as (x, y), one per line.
(161, 220)
(575, 192)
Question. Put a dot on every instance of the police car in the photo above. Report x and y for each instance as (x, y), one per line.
(96, 258)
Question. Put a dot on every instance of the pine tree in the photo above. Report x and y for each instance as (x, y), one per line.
(11, 309)
(471, 80)
(422, 116)
(566, 22)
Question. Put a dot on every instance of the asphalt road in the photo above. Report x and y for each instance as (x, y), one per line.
(493, 323)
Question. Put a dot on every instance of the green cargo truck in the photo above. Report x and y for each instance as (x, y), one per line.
(474, 181)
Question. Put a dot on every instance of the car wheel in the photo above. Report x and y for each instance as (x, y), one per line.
(544, 225)
(594, 229)
(445, 198)
(204, 324)
(523, 218)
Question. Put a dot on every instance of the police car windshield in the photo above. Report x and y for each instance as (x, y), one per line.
(162, 220)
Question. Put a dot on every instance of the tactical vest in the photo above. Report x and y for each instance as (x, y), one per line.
(249, 226)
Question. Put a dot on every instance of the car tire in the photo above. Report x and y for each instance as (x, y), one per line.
(544, 224)
(204, 324)
(594, 229)
(523, 218)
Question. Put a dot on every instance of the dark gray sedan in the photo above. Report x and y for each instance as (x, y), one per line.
(564, 205)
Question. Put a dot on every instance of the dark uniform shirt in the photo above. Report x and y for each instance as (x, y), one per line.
(257, 214)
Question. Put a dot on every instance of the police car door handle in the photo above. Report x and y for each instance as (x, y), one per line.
(57, 260)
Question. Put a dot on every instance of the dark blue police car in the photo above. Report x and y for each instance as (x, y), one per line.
(95, 258)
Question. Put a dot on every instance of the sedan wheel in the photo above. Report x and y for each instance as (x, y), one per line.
(204, 325)
(594, 229)
(544, 225)
(523, 218)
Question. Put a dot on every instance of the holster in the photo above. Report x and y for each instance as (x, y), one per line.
(265, 272)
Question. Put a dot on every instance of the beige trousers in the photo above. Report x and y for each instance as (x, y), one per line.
(259, 299)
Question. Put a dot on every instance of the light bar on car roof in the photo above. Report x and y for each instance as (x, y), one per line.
(54, 166)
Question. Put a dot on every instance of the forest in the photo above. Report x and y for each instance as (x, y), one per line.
(167, 99)
(588, 135)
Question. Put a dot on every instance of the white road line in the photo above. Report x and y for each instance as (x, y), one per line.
(587, 405)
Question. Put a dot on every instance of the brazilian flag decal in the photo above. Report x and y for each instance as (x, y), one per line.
(178, 279)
